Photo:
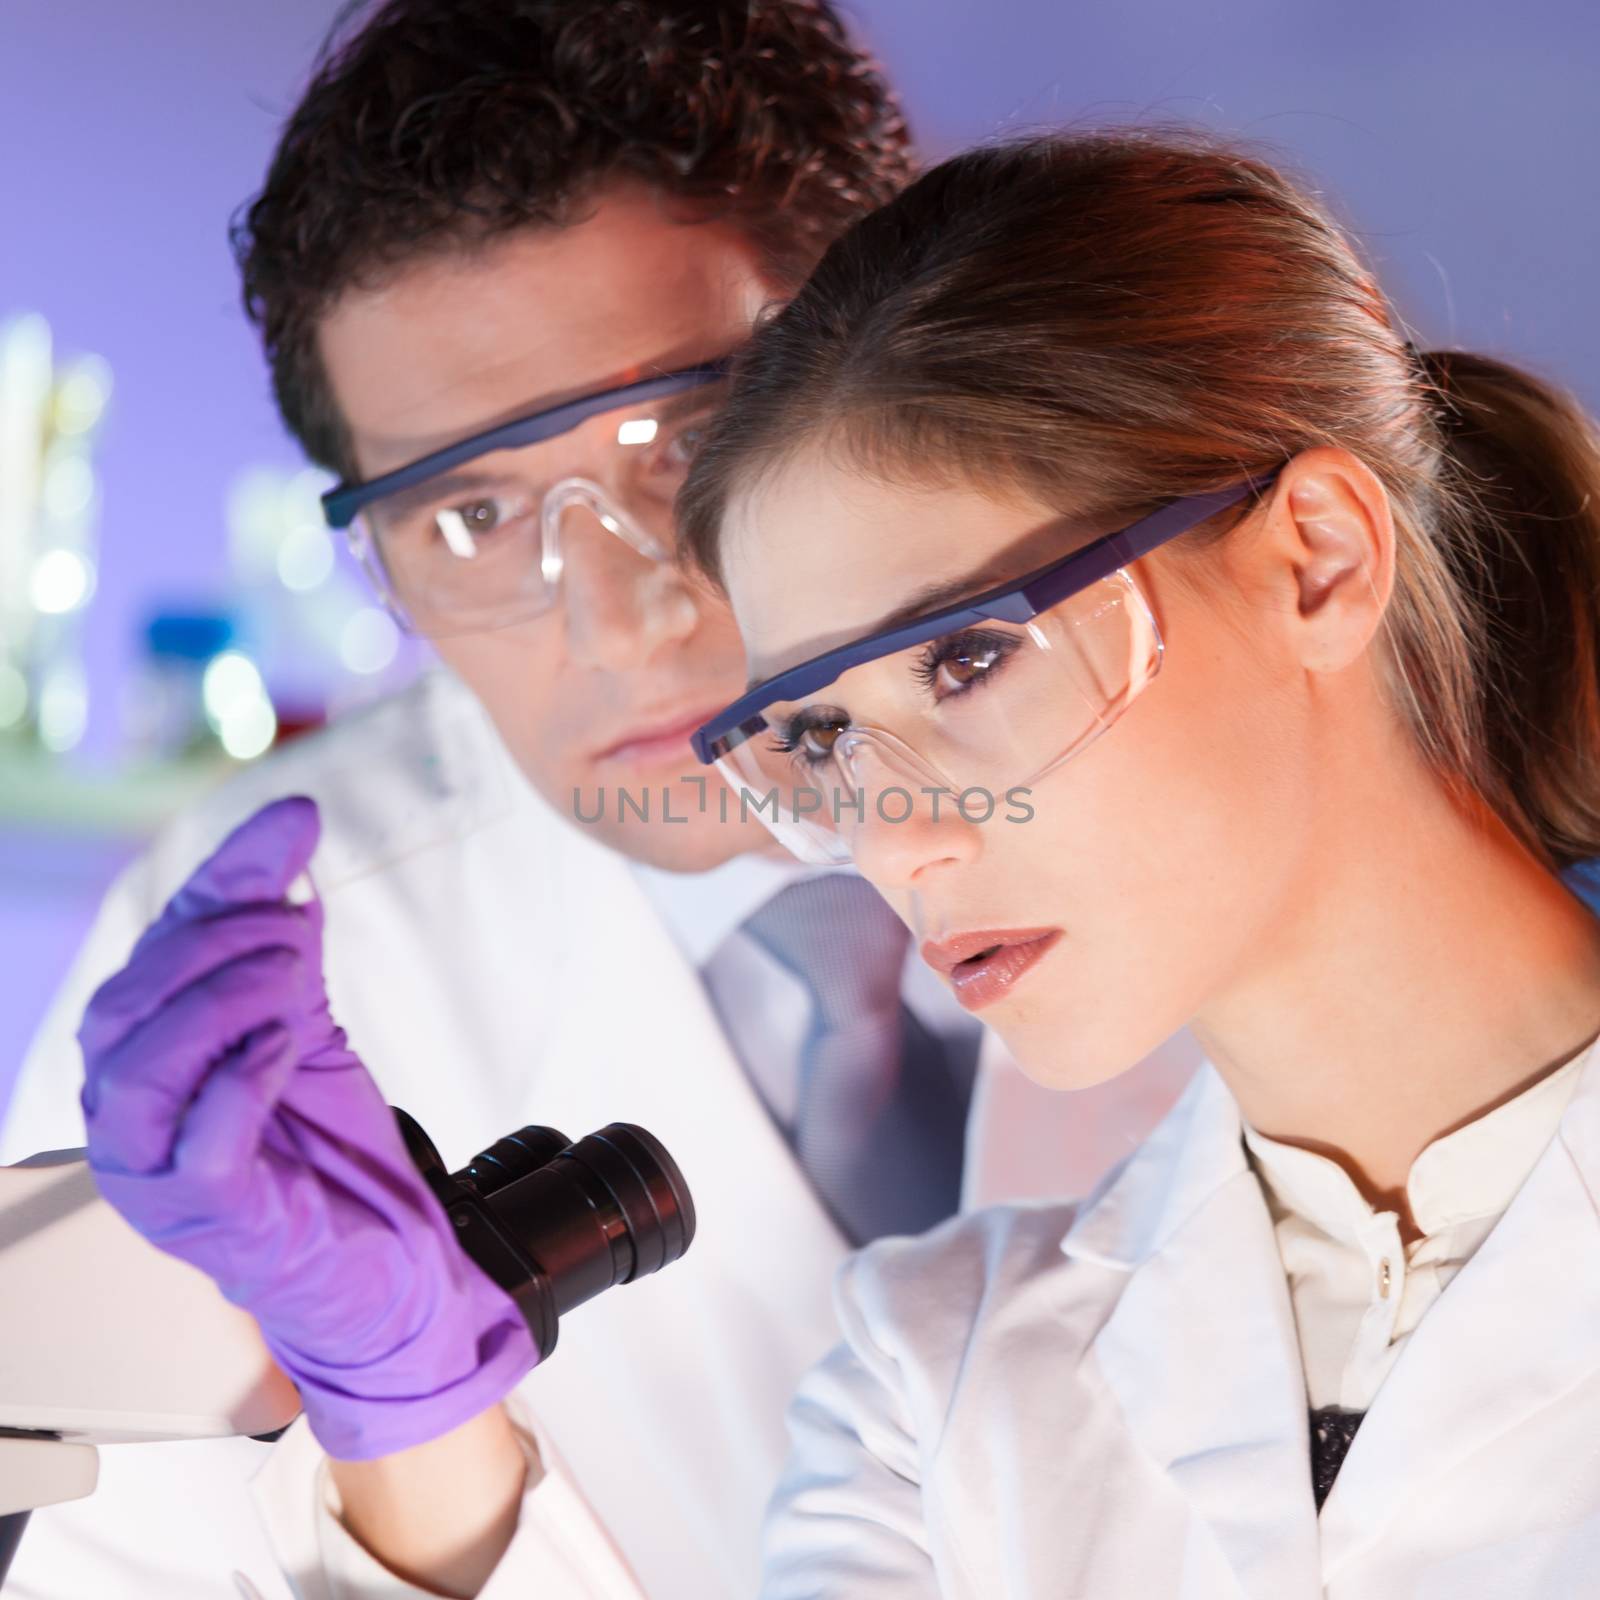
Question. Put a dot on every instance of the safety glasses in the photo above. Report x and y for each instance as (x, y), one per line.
(482, 534)
(965, 704)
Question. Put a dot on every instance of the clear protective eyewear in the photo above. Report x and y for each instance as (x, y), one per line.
(959, 708)
(479, 535)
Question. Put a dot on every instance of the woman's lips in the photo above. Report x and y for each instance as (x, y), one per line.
(984, 966)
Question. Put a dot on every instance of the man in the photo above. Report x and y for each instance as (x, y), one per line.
(484, 210)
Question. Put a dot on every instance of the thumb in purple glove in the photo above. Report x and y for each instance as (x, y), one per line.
(232, 1126)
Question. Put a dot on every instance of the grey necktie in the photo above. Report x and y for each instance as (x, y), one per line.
(882, 1101)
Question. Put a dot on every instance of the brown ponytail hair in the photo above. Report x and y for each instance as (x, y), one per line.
(1523, 465)
(1108, 321)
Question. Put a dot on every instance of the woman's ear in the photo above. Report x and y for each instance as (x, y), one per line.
(1325, 557)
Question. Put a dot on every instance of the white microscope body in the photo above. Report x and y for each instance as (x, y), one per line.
(106, 1340)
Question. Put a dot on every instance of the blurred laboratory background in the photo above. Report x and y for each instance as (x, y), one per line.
(170, 604)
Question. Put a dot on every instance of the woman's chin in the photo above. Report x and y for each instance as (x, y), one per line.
(1058, 1055)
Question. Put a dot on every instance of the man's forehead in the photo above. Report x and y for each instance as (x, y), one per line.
(462, 342)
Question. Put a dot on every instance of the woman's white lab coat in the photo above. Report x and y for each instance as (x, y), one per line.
(1107, 1404)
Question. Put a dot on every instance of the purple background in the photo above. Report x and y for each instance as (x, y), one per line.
(1462, 137)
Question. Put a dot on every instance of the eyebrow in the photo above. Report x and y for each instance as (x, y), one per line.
(704, 398)
(1016, 562)
(423, 494)
(936, 596)
(1009, 564)
(669, 410)
(931, 597)
(666, 410)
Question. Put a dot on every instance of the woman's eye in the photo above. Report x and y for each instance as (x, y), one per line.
(811, 738)
(958, 671)
(956, 665)
(816, 743)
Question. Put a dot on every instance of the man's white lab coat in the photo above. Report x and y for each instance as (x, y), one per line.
(494, 965)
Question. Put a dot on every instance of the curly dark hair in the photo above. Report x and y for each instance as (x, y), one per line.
(432, 123)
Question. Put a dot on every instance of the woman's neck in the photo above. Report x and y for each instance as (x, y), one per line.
(1422, 972)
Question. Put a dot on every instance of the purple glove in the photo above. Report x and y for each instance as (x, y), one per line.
(229, 1122)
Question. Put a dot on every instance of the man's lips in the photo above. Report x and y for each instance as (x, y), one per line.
(985, 965)
(658, 738)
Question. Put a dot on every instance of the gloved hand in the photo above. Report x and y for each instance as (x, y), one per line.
(230, 1123)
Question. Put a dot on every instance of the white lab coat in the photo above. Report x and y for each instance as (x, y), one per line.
(495, 965)
(1109, 1405)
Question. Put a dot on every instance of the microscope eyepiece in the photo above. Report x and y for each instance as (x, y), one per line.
(555, 1223)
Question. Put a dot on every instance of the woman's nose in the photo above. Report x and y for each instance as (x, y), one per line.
(908, 833)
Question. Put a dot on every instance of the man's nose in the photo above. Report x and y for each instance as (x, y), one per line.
(622, 608)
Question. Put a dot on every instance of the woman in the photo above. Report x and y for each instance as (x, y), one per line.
(1094, 476)
(1088, 436)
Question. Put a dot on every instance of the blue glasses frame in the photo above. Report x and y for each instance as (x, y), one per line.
(342, 503)
(1016, 602)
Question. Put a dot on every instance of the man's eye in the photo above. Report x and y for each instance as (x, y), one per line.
(669, 462)
(464, 527)
(477, 516)
(684, 445)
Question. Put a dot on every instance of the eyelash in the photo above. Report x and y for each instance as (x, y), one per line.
(934, 655)
(787, 741)
(953, 645)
